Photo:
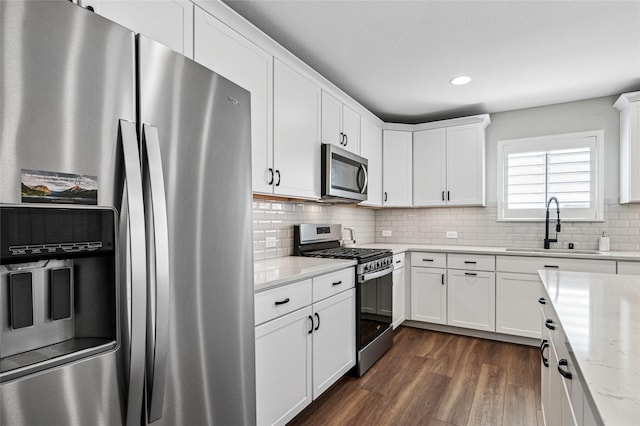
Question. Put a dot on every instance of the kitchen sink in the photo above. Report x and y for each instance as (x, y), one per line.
(552, 251)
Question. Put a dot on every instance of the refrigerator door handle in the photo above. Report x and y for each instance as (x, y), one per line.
(135, 267)
(158, 241)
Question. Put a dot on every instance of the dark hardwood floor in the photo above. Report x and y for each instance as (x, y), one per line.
(432, 378)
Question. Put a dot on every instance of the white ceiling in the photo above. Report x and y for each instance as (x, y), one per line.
(396, 57)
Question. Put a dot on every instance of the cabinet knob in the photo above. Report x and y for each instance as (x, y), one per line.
(549, 324)
(544, 345)
(282, 302)
(566, 374)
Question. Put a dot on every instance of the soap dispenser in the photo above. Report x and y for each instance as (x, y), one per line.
(603, 242)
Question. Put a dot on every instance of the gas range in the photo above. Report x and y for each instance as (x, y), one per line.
(374, 289)
(324, 241)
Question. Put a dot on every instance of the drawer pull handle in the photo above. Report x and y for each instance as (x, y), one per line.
(337, 283)
(427, 260)
(311, 328)
(543, 346)
(549, 324)
(473, 274)
(398, 261)
(542, 301)
(564, 373)
(552, 266)
(470, 262)
(317, 326)
(282, 302)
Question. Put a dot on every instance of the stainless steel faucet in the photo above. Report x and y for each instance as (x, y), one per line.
(548, 240)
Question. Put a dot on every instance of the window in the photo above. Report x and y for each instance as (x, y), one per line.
(568, 167)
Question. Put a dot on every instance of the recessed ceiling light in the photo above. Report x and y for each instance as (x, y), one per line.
(460, 80)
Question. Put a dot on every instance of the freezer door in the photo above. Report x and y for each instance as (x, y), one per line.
(67, 78)
(203, 127)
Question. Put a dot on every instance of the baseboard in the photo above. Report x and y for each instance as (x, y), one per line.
(473, 333)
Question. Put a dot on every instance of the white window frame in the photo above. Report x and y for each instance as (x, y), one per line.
(542, 143)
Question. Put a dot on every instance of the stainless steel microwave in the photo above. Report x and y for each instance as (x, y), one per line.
(344, 175)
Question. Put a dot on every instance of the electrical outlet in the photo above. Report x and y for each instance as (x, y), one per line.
(452, 234)
(270, 242)
(386, 233)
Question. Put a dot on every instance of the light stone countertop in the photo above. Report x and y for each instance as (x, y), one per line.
(600, 315)
(270, 273)
(577, 254)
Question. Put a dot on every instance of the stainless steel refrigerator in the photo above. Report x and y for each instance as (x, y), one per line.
(162, 331)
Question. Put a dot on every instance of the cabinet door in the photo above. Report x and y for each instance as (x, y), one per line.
(517, 308)
(351, 128)
(545, 369)
(331, 120)
(296, 133)
(553, 410)
(466, 165)
(429, 168)
(371, 149)
(429, 295)
(397, 175)
(283, 367)
(398, 311)
(471, 300)
(169, 22)
(334, 340)
(228, 53)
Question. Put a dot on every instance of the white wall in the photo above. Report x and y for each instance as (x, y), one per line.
(570, 117)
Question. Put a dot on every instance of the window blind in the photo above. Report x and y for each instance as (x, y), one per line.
(533, 177)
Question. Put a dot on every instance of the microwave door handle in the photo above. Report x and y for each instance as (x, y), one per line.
(158, 239)
(132, 217)
(366, 178)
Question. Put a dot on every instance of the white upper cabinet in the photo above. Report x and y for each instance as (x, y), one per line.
(296, 133)
(340, 124)
(449, 165)
(396, 176)
(371, 149)
(233, 56)
(169, 22)
(429, 171)
(629, 106)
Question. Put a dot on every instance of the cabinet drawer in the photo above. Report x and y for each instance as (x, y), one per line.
(282, 300)
(531, 265)
(398, 261)
(333, 283)
(431, 260)
(476, 262)
(629, 268)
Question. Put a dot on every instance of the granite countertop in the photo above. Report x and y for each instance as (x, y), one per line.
(528, 252)
(276, 272)
(600, 315)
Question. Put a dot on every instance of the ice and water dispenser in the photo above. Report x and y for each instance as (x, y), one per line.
(58, 286)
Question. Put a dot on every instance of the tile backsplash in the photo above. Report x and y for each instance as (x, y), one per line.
(477, 226)
(273, 222)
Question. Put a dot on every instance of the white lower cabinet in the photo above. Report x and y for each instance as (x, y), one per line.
(629, 268)
(428, 295)
(398, 314)
(334, 340)
(283, 367)
(300, 354)
(516, 304)
(471, 299)
(563, 398)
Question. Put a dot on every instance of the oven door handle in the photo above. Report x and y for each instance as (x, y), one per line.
(374, 275)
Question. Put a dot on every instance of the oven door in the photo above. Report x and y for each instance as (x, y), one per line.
(374, 298)
(344, 175)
